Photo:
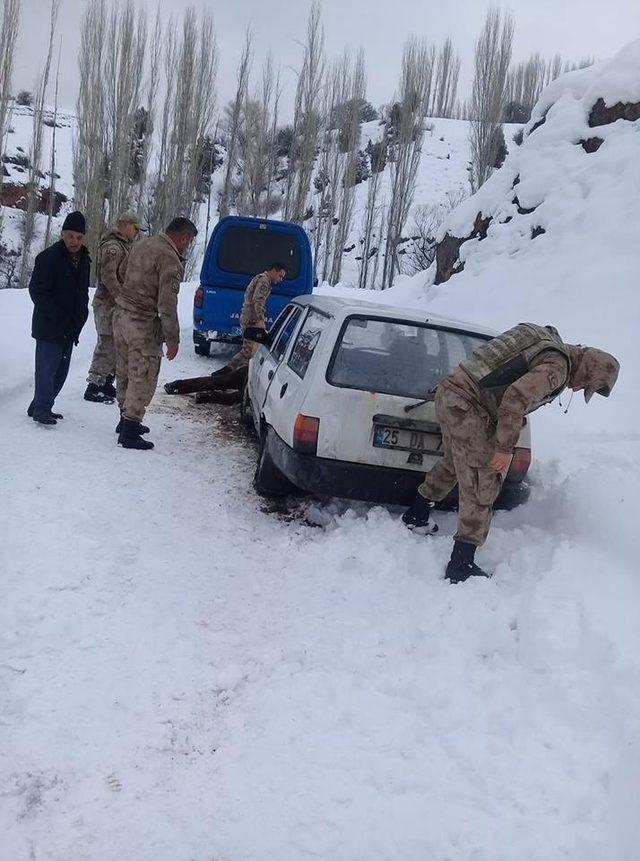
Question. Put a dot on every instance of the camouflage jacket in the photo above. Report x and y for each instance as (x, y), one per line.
(152, 282)
(254, 308)
(113, 253)
(548, 374)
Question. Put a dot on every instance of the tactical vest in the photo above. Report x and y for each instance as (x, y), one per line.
(500, 362)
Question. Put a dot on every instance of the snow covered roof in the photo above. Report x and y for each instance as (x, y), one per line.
(340, 306)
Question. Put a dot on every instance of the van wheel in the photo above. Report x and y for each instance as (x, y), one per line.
(246, 416)
(268, 480)
(203, 349)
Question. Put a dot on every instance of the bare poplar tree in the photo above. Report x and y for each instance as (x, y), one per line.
(190, 62)
(151, 93)
(234, 123)
(258, 145)
(446, 81)
(90, 144)
(123, 72)
(374, 211)
(407, 123)
(492, 60)
(52, 161)
(9, 26)
(348, 144)
(306, 122)
(35, 154)
(328, 178)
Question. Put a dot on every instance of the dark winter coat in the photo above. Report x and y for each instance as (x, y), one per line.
(60, 294)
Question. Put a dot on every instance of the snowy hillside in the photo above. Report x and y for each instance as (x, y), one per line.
(188, 674)
(16, 169)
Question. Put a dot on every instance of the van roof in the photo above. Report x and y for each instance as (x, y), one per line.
(340, 306)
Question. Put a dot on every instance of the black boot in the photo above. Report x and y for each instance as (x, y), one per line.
(30, 412)
(141, 428)
(45, 418)
(96, 395)
(109, 389)
(417, 516)
(461, 565)
(129, 436)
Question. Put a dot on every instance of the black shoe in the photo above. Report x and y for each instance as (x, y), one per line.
(57, 415)
(141, 428)
(417, 516)
(130, 436)
(96, 395)
(461, 565)
(171, 388)
(47, 418)
(109, 389)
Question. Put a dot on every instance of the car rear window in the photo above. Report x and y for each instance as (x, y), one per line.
(397, 358)
(249, 250)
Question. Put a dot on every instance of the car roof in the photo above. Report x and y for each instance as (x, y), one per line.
(340, 306)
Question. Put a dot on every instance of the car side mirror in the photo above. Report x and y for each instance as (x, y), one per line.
(255, 333)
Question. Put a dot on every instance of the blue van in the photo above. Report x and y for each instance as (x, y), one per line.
(239, 248)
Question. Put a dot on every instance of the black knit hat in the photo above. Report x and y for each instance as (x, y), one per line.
(75, 221)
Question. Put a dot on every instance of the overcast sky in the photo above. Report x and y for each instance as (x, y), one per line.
(575, 28)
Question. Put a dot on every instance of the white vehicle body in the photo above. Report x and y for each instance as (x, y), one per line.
(342, 398)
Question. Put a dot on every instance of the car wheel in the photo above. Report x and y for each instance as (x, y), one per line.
(268, 480)
(203, 348)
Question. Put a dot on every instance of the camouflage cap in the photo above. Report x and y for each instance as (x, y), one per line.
(129, 217)
(596, 373)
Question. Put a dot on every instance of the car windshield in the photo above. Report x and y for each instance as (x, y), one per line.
(247, 251)
(398, 358)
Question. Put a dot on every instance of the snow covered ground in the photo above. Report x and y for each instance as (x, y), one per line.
(191, 675)
(188, 675)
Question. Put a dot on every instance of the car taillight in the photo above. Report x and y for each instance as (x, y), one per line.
(198, 299)
(305, 434)
(520, 464)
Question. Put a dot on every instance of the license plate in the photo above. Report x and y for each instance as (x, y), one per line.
(406, 440)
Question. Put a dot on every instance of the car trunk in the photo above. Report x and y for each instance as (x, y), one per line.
(374, 428)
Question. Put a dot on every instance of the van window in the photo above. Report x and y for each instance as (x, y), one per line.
(307, 341)
(281, 342)
(249, 250)
(396, 358)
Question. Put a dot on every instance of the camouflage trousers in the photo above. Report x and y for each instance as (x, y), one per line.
(138, 343)
(103, 364)
(468, 441)
(244, 354)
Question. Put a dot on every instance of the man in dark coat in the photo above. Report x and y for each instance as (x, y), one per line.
(59, 289)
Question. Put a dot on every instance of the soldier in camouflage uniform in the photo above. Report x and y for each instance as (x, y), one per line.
(481, 408)
(146, 317)
(254, 313)
(113, 253)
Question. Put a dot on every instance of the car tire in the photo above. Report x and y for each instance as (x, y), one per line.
(203, 348)
(268, 480)
(246, 413)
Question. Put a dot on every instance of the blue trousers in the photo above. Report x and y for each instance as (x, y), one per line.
(52, 367)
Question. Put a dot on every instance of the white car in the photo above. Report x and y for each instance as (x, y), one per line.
(341, 398)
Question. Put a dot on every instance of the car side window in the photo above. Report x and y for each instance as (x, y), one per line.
(307, 341)
(281, 342)
(279, 322)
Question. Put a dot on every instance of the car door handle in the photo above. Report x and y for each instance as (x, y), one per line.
(270, 375)
(283, 390)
